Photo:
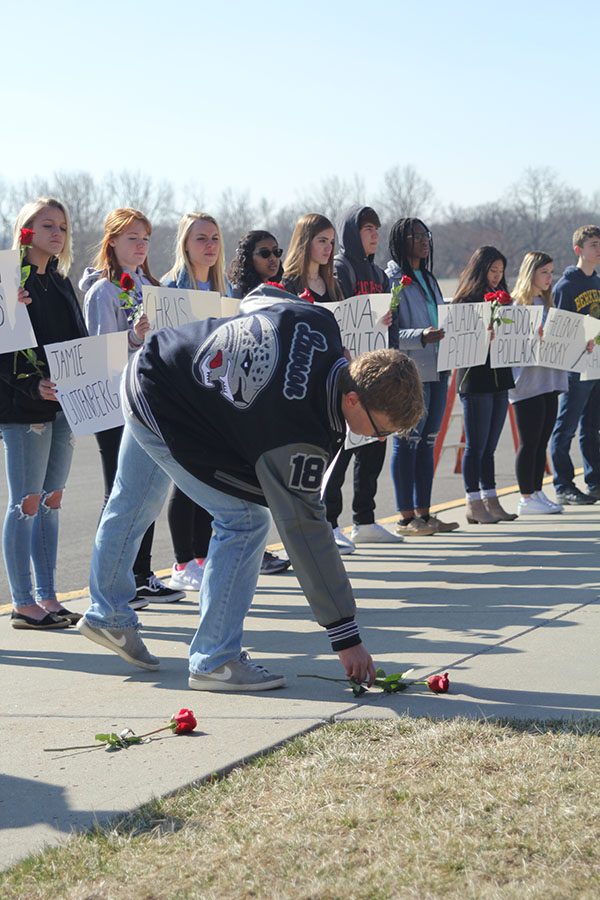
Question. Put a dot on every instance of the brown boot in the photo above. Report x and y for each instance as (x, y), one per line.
(477, 514)
(492, 504)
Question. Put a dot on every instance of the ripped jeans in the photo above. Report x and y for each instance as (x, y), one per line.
(38, 459)
(412, 456)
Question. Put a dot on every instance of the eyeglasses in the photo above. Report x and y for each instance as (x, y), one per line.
(421, 236)
(377, 431)
(277, 252)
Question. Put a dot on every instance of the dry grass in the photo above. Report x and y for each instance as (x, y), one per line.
(404, 808)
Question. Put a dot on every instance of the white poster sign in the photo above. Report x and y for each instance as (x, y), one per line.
(517, 343)
(16, 332)
(589, 364)
(359, 319)
(87, 373)
(172, 307)
(564, 340)
(466, 340)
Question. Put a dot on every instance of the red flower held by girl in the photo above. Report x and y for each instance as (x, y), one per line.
(26, 238)
(306, 295)
(126, 282)
(405, 280)
(500, 297)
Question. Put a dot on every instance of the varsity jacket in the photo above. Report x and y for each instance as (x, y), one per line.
(251, 406)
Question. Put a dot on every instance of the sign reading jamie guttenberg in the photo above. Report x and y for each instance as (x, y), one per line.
(87, 373)
(172, 307)
(16, 332)
(359, 320)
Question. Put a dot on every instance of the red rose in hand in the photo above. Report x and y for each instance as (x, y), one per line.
(503, 298)
(439, 684)
(491, 297)
(26, 237)
(405, 280)
(127, 283)
(306, 295)
(183, 722)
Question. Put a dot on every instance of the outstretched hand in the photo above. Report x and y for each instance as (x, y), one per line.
(358, 664)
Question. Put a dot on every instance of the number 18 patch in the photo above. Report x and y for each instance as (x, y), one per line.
(307, 472)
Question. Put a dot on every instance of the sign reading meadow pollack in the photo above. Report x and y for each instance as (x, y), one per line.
(517, 341)
(171, 307)
(359, 320)
(16, 332)
(87, 374)
(466, 340)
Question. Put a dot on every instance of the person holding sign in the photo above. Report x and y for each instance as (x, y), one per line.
(357, 273)
(578, 291)
(415, 331)
(257, 259)
(535, 394)
(484, 395)
(113, 302)
(308, 266)
(199, 265)
(244, 414)
(37, 438)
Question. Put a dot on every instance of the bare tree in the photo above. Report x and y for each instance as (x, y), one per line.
(154, 199)
(332, 196)
(541, 203)
(405, 193)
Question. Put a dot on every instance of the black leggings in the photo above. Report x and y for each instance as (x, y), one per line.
(108, 443)
(190, 527)
(535, 420)
(368, 462)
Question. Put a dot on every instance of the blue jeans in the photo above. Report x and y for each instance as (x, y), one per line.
(38, 458)
(484, 416)
(579, 406)
(240, 529)
(412, 456)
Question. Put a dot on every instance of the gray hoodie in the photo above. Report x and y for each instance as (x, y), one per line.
(104, 311)
(410, 320)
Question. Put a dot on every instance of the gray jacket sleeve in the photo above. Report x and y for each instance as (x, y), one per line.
(291, 479)
(104, 314)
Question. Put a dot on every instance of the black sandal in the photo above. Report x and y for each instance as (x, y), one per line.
(73, 617)
(21, 621)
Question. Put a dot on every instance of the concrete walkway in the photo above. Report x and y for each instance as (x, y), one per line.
(511, 611)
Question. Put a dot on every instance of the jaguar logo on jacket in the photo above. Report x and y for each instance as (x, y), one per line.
(239, 358)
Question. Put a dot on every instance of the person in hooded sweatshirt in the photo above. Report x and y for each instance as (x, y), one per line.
(124, 249)
(578, 291)
(356, 273)
(244, 414)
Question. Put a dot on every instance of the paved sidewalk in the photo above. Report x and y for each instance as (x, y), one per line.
(512, 611)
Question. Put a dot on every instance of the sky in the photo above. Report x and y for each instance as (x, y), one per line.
(273, 97)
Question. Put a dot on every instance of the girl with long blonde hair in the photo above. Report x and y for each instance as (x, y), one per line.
(199, 255)
(123, 249)
(38, 442)
(534, 397)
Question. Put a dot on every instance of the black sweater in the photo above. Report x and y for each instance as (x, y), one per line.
(483, 379)
(55, 315)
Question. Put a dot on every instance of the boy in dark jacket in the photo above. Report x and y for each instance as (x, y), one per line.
(242, 414)
(578, 291)
(357, 273)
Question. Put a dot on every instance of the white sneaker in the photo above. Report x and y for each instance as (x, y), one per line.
(374, 534)
(343, 543)
(555, 507)
(533, 506)
(187, 579)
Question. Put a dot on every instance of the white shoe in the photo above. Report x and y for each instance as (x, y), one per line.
(188, 579)
(374, 534)
(533, 506)
(554, 507)
(343, 543)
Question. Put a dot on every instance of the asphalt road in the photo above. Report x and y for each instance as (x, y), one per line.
(84, 494)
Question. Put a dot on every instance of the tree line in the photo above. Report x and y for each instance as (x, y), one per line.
(539, 212)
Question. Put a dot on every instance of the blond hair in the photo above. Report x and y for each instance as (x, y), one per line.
(297, 261)
(524, 291)
(115, 224)
(216, 273)
(388, 381)
(26, 216)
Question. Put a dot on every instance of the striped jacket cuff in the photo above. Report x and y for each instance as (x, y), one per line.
(343, 634)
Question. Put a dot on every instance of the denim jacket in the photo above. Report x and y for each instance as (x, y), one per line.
(411, 319)
(184, 282)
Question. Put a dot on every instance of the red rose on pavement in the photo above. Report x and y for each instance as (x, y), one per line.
(26, 237)
(183, 722)
(439, 684)
(306, 295)
(127, 283)
(405, 280)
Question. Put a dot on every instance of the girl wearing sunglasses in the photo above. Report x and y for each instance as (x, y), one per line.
(308, 266)
(257, 259)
